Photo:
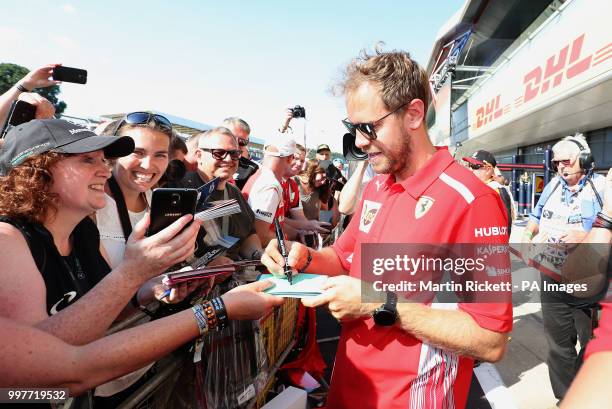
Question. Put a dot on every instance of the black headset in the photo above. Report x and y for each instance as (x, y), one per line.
(585, 157)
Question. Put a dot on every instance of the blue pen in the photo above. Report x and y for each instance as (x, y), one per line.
(165, 294)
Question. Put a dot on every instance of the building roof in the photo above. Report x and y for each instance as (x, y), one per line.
(183, 126)
(493, 27)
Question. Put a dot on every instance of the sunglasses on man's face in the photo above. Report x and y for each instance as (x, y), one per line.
(367, 129)
(142, 118)
(220, 154)
(475, 166)
(565, 162)
(243, 142)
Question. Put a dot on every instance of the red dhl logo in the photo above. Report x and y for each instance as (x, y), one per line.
(541, 79)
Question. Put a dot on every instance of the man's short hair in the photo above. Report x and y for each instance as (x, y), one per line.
(234, 121)
(399, 77)
(193, 139)
(177, 143)
(219, 130)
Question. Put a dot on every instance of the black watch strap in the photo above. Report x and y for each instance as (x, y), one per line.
(391, 301)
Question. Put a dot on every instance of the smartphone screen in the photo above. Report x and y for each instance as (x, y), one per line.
(69, 74)
(169, 205)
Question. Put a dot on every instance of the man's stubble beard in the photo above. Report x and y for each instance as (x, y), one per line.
(399, 161)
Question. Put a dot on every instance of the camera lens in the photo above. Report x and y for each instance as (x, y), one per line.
(175, 199)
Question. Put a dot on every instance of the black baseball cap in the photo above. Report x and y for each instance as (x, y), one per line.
(57, 135)
(481, 157)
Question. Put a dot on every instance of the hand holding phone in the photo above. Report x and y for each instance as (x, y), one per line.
(69, 74)
(19, 113)
(169, 205)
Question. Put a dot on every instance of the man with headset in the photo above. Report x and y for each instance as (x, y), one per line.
(561, 219)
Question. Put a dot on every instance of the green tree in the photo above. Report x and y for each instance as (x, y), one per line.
(11, 73)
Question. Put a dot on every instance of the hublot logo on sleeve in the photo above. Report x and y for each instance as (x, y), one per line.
(490, 231)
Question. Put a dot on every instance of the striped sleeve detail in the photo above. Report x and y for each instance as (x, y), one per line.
(458, 186)
(433, 386)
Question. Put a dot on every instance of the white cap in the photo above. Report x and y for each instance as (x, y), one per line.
(280, 146)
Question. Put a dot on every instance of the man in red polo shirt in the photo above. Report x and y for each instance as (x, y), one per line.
(406, 355)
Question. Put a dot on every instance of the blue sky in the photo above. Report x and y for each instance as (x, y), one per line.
(206, 60)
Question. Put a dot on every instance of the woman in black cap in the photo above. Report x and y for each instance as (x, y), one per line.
(53, 176)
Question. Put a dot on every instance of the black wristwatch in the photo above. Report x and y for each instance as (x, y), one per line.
(386, 314)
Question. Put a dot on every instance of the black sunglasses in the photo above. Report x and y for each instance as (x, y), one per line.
(367, 128)
(220, 154)
(243, 142)
(474, 166)
(141, 118)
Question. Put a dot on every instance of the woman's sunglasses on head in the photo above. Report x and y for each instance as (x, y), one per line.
(142, 118)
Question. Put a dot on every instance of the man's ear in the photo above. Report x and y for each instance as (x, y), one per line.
(414, 114)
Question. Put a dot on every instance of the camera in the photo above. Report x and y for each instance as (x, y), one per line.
(298, 112)
(349, 150)
(175, 199)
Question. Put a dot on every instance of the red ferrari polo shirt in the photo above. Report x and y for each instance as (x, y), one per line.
(384, 367)
(603, 333)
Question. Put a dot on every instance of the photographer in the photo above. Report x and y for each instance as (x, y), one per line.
(353, 188)
(290, 113)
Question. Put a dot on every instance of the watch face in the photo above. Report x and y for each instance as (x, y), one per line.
(384, 317)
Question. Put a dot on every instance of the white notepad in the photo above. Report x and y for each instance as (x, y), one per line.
(304, 285)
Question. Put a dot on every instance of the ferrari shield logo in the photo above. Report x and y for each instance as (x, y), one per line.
(422, 206)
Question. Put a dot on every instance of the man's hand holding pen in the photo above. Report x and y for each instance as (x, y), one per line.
(297, 257)
(282, 249)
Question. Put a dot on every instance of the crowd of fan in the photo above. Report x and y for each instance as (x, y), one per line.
(75, 205)
(74, 212)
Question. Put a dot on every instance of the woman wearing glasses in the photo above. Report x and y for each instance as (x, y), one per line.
(128, 195)
(129, 192)
(133, 177)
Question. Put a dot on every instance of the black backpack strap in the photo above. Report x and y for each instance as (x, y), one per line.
(124, 216)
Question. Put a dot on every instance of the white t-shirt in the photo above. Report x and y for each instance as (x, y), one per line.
(266, 196)
(113, 240)
(111, 233)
